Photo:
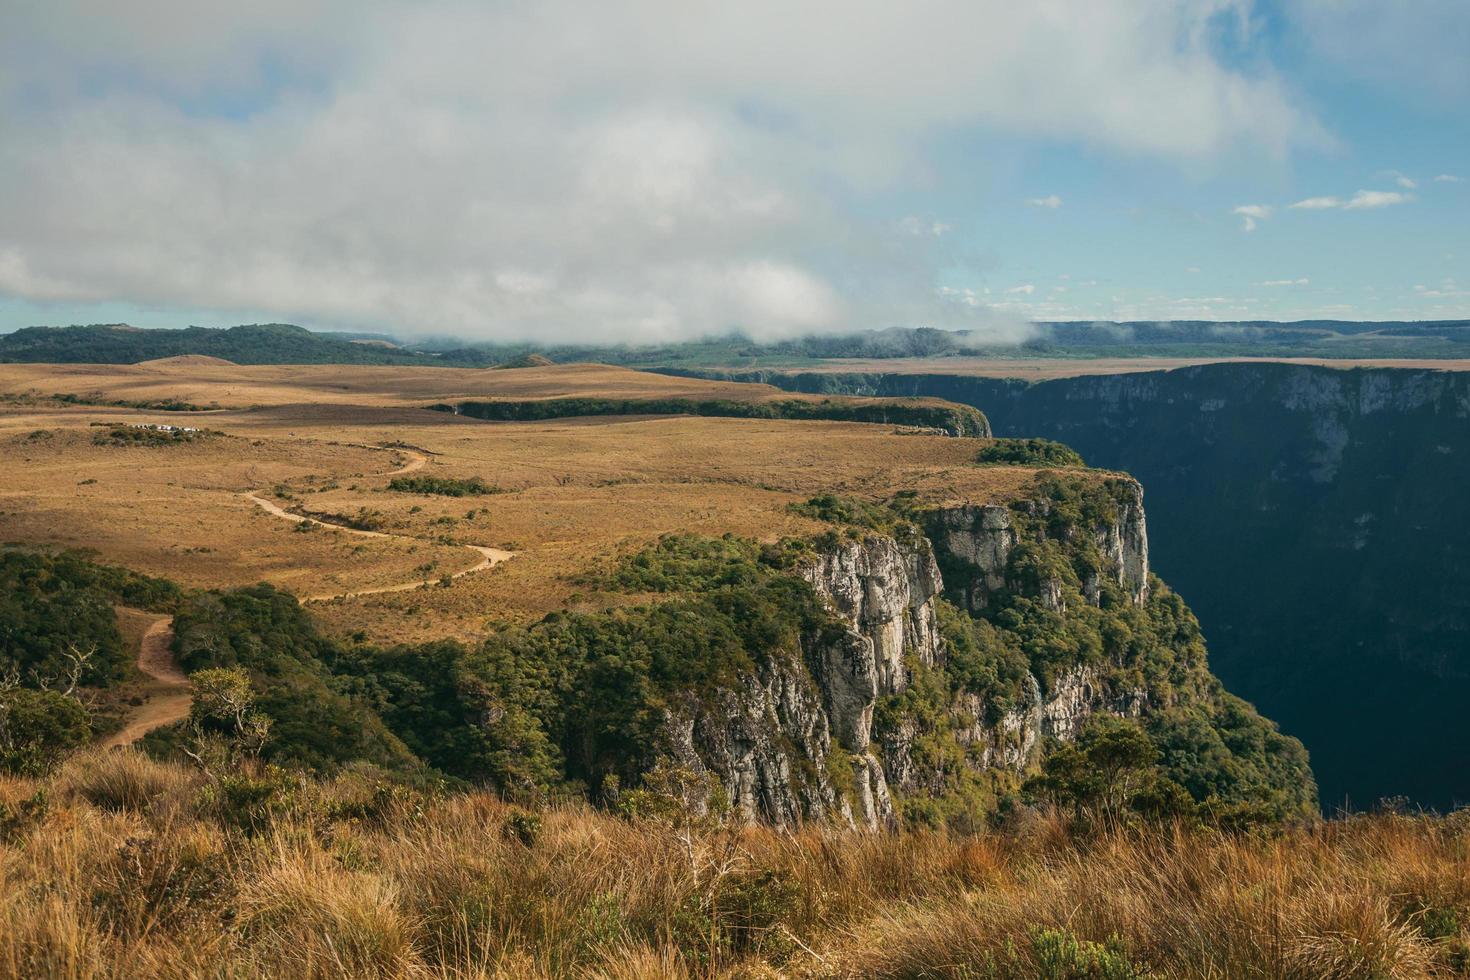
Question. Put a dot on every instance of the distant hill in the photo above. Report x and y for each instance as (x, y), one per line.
(281, 343)
(260, 343)
(1080, 339)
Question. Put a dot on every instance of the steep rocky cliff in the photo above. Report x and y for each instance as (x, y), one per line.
(1317, 521)
(907, 704)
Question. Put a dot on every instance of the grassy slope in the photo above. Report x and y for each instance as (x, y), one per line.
(123, 867)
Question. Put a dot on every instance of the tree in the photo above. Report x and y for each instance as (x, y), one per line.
(227, 730)
(38, 728)
(1104, 774)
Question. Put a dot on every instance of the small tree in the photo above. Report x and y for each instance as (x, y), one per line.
(226, 728)
(1103, 774)
(38, 728)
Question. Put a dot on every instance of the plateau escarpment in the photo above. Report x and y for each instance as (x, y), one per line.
(1316, 518)
(961, 650)
(917, 664)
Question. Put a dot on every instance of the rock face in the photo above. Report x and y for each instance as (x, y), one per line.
(979, 540)
(981, 537)
(1338, 495)
(884, 591)
(782, 744)
(1074, 697)
(1124, 545)
(767, 742)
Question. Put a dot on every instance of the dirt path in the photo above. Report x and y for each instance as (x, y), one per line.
(489, 557)
(168, 699)
(417, 460)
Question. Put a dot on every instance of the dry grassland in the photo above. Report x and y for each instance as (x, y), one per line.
(207, 381)
(576, 491)
(122, 867)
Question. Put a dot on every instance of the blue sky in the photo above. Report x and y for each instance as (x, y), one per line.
(654, 170)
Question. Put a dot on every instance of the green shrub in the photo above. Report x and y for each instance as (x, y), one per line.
(38, 729)
(957, 420)
(1061, 956)
(1029, 452)
(443, 486)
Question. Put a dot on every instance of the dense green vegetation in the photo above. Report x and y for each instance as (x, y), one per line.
(50, 604)
(442, 486)
(266, 343)
(315, 723)
(959, 421)
(150, 404)
(58, 639)
(118, 434)
(1029, 452)
(560, 705)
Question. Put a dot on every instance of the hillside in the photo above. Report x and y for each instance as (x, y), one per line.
(121, 867)
(262, 343)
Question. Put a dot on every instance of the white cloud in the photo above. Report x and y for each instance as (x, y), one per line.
(1406, 182)
(1050, 201)
(920, 227)
(1192, 270)
(1364, 200)
(1252, 213)
(1025, 289)
(1284, 282)
(562, 170)
(1318, 203)
(1361, 201)
(1448, 179)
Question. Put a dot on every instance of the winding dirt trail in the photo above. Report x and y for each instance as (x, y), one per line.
(489, 557)
(170, 699)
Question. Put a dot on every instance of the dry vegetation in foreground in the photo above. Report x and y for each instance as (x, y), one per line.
(119, 866)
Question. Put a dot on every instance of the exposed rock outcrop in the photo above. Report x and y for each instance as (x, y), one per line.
(775, 742)
(978, 541)
(767, 742)
(1013, 742)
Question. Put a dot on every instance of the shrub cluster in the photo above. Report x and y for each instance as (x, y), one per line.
(957, 420)
(443, 486)
(1029, 452)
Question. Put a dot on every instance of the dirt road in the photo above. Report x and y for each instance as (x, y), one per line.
(168, 697)
(489, 557)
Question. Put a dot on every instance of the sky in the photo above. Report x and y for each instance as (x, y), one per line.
(654, 170)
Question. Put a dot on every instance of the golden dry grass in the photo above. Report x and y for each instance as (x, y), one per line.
(212, 382)
(578, 490)
(127, 870)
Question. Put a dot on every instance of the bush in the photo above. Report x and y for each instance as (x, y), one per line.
(443, 486)
(957, 420)
(1029, 452)
(54, 607)
(38, 729)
